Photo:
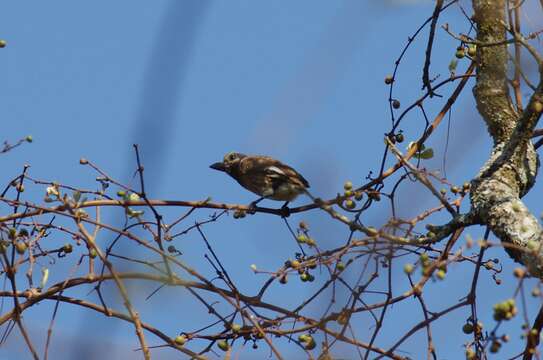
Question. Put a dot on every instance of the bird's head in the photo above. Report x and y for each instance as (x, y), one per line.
(229, 162)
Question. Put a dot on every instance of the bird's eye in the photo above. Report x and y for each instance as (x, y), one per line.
(232, 157)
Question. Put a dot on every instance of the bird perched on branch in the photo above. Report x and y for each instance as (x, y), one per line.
(264, 176)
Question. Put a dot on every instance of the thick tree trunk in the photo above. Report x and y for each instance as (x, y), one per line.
(512, 168)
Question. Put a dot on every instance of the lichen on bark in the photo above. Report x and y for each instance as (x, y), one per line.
(511, 170)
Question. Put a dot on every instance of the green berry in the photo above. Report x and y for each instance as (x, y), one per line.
(67, 248)
(348, 185)
(537, 106)
(21, 247)
(408, 268)
(223, 345)
(350, 204)
(472, 50)
(3, 43)
(460, 53)
(28, 138)
(467, 328)
(180, 340)
(389, 79)
(311, 344)
(495, 347)
(470, 354)
(3, 247)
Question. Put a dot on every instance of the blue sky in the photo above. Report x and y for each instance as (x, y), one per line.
(191, 80)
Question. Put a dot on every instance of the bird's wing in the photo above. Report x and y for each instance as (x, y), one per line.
(274, 168)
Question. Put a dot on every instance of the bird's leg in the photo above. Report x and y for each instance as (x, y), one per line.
(252, 206)
(285, 210)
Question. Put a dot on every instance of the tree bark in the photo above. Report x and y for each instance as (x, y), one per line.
(511, 170)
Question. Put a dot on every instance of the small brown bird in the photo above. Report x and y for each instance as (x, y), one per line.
(264, 176)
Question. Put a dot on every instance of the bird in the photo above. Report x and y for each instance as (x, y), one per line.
(265, 176)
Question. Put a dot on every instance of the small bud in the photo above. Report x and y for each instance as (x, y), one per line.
(389, 79)
(340, 266)
(3, 43)
(408, 268)
(67, 248)
(440, 274)
(83, 161)
(28, 138)
(396, 104)
(399, 137)
(253, 267)
(348, 185)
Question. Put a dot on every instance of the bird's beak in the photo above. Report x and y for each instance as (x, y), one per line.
(218, 166)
